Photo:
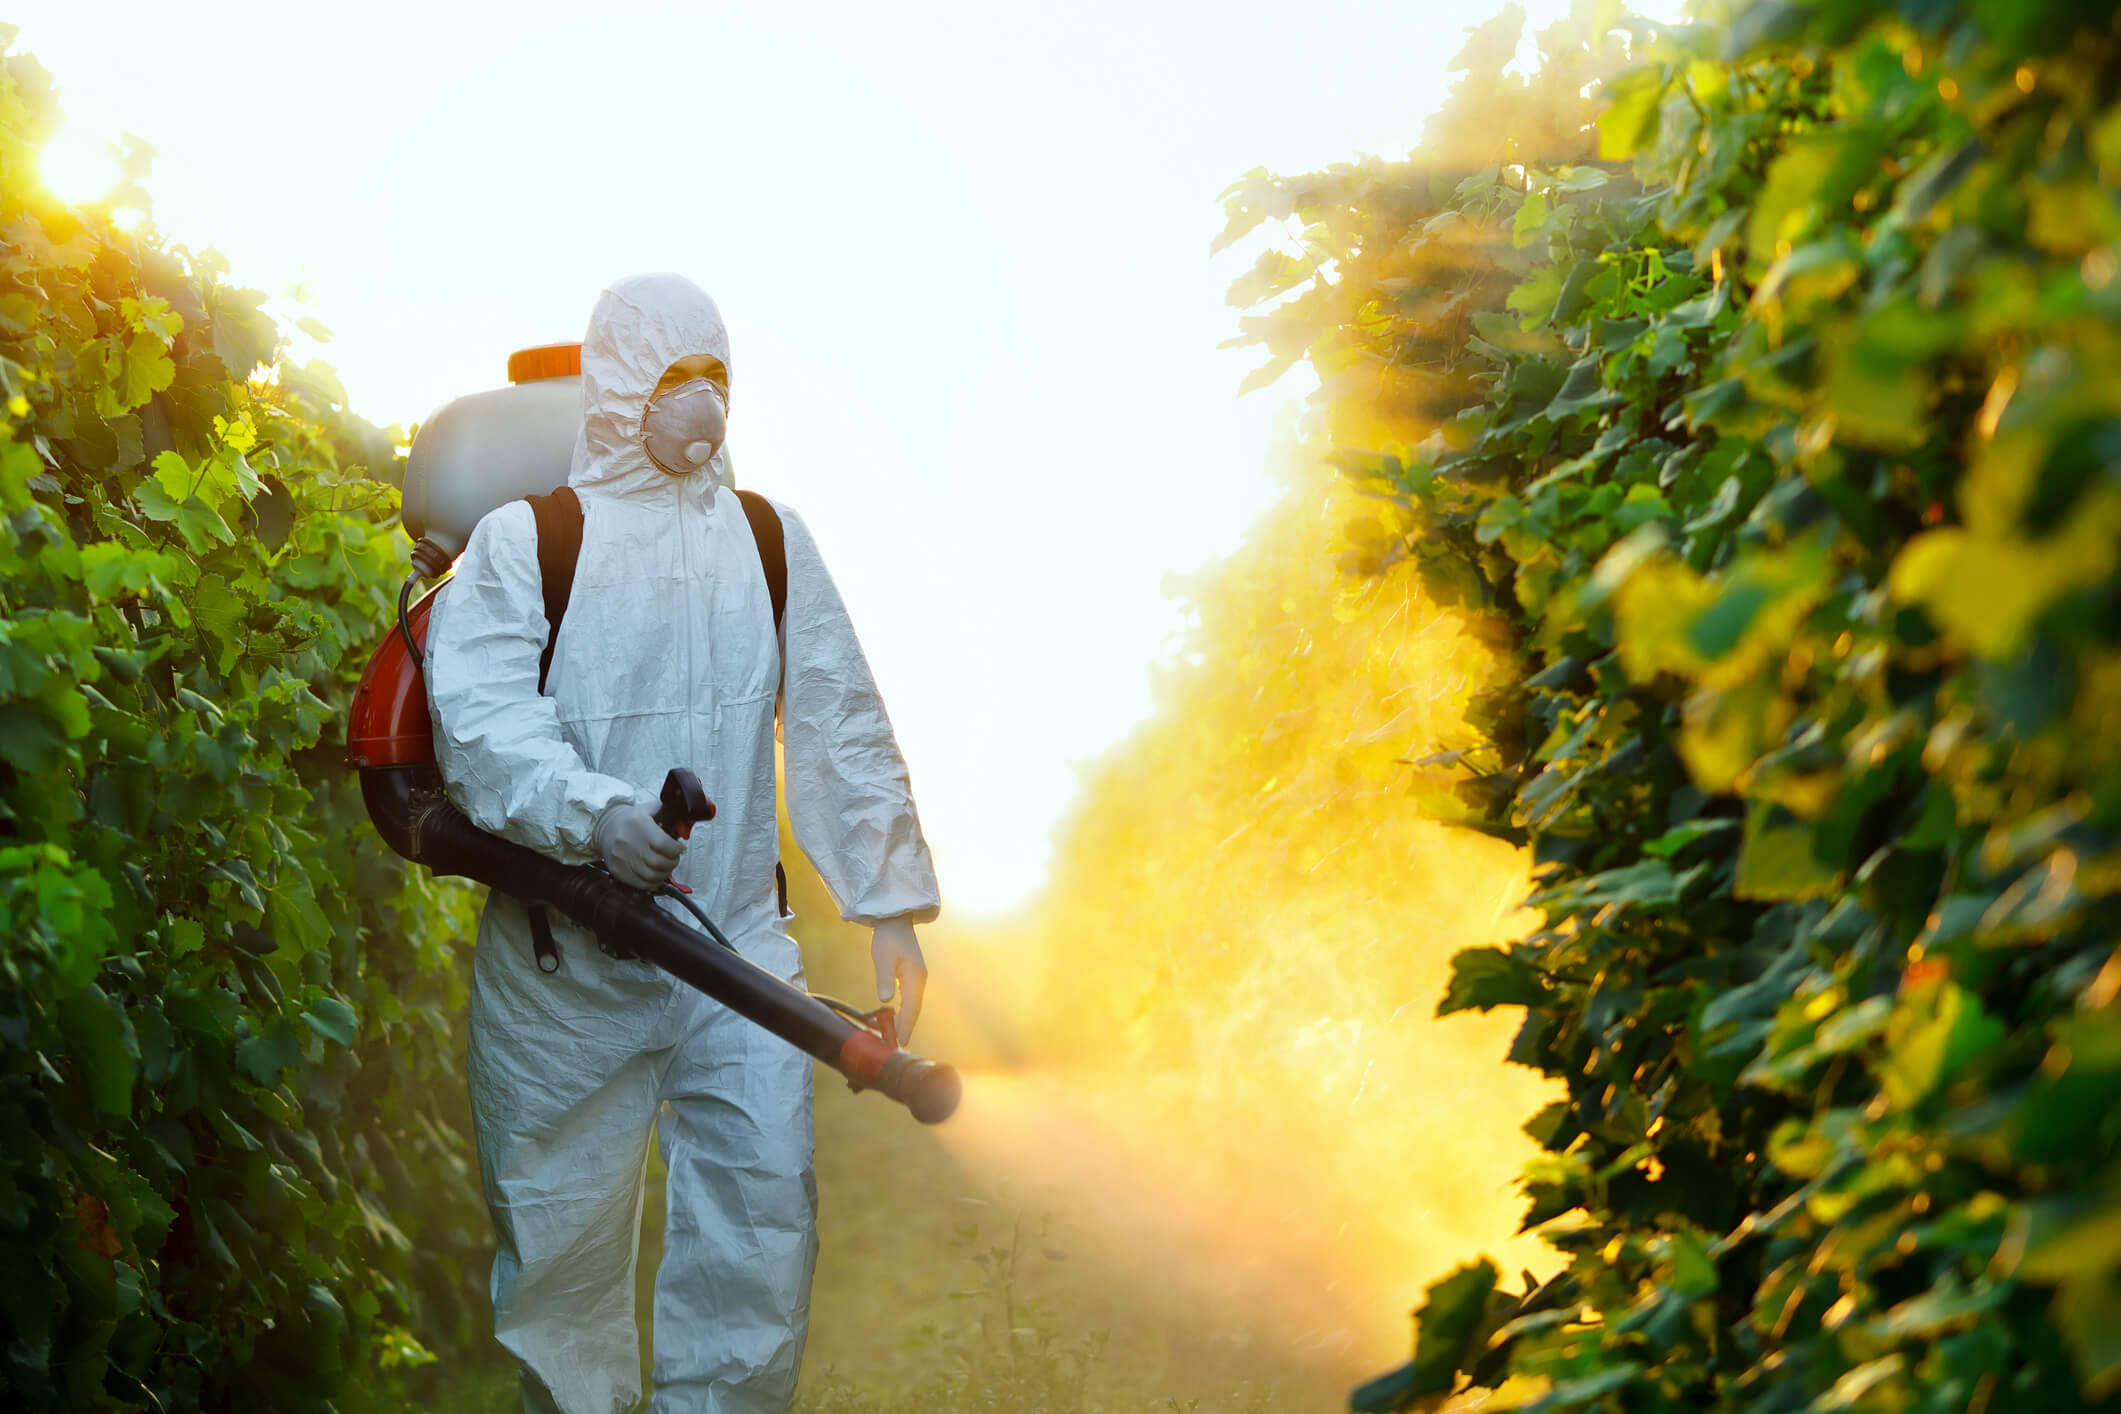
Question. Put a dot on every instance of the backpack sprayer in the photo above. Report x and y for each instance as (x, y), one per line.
(472, 456)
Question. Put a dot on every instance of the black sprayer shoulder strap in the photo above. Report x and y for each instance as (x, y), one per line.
(559, 516)
(773, 549)
(773, 558)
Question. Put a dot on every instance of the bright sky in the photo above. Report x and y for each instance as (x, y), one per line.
(962, 249)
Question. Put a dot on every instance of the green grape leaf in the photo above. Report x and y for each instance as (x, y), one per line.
(101, 1040)
(333, 1019)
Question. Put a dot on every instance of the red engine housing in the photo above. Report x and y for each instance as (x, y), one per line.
(389, 725)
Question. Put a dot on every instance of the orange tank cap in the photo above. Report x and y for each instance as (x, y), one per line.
(545, 361)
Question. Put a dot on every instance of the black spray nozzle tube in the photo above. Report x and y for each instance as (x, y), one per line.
(418, 823)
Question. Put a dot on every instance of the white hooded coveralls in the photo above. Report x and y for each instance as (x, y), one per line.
(665, 657)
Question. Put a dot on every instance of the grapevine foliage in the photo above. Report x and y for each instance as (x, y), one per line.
(1768, 394)
(231, 1167)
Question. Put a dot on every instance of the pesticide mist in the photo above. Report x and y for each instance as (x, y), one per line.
(1203, 1068)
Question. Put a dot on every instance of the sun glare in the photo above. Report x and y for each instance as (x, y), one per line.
(76, 166)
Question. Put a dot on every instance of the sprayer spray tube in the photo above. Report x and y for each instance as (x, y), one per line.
(435, 833)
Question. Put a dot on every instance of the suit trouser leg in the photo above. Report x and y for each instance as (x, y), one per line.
(732, 1301)
(564, 1078)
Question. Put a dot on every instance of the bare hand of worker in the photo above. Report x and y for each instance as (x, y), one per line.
(900, 969)
(635, 848)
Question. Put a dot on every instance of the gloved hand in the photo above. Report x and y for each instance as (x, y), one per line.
(634, 846)
(900, 969)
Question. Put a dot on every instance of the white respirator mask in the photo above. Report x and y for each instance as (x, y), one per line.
(684, 427)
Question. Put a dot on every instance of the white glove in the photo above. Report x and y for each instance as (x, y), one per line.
(634, 846)
(900, 970)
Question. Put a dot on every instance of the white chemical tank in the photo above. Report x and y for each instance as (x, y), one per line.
(483, 450)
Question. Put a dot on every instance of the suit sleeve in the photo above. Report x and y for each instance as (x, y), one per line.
(504, 761)
(849, 796)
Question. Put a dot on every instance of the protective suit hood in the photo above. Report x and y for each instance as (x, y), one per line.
(640, 326)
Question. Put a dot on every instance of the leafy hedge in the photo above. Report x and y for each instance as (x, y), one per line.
(1777, 418)
(232, 1172)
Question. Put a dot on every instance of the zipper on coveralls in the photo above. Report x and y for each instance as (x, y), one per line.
(692, 747)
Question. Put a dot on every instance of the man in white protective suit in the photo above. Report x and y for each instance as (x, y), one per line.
(666, 656)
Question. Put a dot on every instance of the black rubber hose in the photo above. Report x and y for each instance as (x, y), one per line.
(683, 899)
(412, 645)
